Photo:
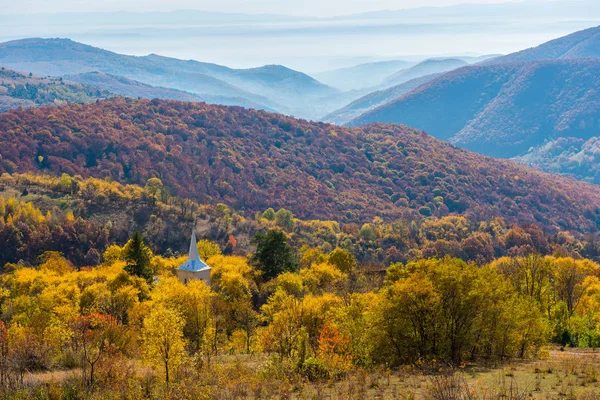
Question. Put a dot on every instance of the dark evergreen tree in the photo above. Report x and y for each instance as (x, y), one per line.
(138, 256)
(273, 254)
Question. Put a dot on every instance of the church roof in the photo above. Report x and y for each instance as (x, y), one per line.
(193, 263)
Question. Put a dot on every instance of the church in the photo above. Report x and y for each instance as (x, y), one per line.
(194, 268)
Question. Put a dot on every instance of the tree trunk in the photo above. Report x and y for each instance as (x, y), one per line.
(167, 373)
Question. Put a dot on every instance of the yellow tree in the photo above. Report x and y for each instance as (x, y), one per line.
(408, 310)
(192, 301)
(342, 259)
(208, 249)
(569, 278)
(164, 346)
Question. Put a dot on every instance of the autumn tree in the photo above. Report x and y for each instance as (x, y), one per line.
(569, 280)
(285, 219)
(311, 256)
(163, 344)
(342, 259)
(4, 355)
(408, 313)
(207, 249)
(153, 189)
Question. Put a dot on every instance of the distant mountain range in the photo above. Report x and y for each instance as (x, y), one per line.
(505, 109)
(508, 106)
(121, 86)
(362, 76)
(427, 67)
(269, 87)
(397, 84)
(385, 74)
(252, 160)
(374, 100)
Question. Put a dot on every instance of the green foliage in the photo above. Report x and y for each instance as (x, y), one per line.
(273, 254)
(368, 233)
(426, 211)
(315, 369)
(285, 219)
(269, 214)
(342, 259)
(138, 256)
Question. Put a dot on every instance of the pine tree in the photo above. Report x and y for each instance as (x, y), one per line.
(273, 254)
(138, 256)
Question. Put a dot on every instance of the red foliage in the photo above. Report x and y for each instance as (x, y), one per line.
(253, 160)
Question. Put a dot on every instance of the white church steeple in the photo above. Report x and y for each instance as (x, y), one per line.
(193, 254)
(194, 268)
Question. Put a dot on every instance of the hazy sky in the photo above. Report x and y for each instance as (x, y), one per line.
(306, 45)
(303, 7)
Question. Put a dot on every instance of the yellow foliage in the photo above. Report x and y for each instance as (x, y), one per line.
(231, 274)
(163, 344)
(291, 283)
(112, 254)
(161, 265)
(321, 277)
(55, 262)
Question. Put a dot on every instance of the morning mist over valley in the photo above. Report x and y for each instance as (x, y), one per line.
(312, 200)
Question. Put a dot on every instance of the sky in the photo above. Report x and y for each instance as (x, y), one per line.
(306, 44)
(318, 8)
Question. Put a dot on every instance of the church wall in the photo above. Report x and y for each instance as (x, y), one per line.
(186, 276)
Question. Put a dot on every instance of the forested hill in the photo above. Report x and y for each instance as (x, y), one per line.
(502, 110)
(22, 90)
(252, 160)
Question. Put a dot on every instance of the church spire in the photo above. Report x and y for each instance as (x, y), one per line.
(193, 254)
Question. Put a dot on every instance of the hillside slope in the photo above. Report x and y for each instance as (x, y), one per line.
(252, 160)
(21, 90)
(131, 88)
(503, 110)
(582, 44)
(374, 100)
(427, 67)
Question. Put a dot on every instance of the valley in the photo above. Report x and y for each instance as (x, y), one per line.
(333, 201)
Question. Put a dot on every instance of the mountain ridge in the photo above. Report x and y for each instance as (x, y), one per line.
(581, 44)
(545, 99)
(427, 67)
(295, 93)
(374, 100)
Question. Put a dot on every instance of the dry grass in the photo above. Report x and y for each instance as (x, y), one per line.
(570, 374)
